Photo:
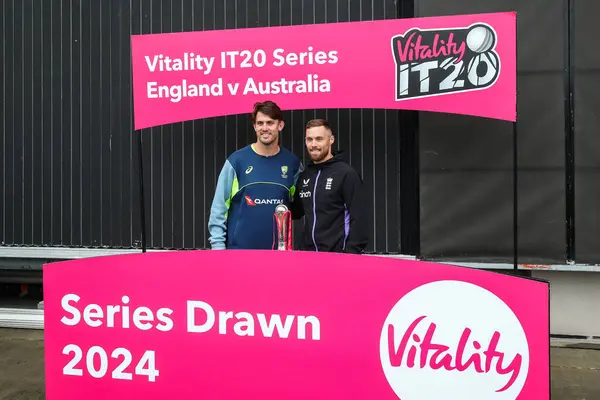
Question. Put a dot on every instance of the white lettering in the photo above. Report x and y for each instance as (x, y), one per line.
(175, 93)
(305, 58)
(163, 316)
(231, 55)
(112, 311)
(191, 317)
(247, 59)
(268, 201)
(233, 89)
(243, 323)
(316, 327)
(189, 62)
(423, 70)
(141, 316)
(111, 316)
(90, 313)
(98, 356)
(151, 64)
(223, 317)
(246, 321)
(151, 89)
(312, 84)
(70, 309)
(209, 62)
(275, 322)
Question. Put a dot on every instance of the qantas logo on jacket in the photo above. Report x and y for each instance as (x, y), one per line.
(257, 201)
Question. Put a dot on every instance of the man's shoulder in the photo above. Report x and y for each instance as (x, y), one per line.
(345, 169)
(307, 172)
(240, 155)
(243, 152)
(289, 156)
(341, 166)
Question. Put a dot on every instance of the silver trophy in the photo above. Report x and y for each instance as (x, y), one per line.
(283, 223)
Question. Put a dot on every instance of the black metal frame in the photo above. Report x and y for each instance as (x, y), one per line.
(410, 216)
(569, 103)
(408, 174)
(141, 180)
(515, 156)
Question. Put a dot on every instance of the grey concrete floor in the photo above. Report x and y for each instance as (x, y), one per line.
(575, 371)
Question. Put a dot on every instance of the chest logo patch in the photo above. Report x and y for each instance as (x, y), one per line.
(328, 183)
(249, 169)
(284, 171)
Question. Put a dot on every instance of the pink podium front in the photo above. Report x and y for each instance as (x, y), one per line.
(291, 325)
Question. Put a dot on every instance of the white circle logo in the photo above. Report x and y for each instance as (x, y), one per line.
(453, 340)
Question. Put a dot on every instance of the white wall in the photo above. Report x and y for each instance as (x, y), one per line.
(574, 302)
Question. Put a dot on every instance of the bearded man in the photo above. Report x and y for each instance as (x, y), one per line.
(331, 197)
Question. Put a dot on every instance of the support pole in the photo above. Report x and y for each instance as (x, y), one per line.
(515, 201)
(515, 158)
(569, 110)
(142, 199)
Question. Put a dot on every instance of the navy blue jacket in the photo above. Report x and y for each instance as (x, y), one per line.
(249, 188)
(333, 201)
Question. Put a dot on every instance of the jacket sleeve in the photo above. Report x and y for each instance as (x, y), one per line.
(355, 199)
(217, 222)
(296, 204)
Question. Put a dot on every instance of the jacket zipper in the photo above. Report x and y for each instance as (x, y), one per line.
(315, 210)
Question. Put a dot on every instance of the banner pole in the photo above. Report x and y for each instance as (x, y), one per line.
(515, 156)
(515, 202)
(141, 181)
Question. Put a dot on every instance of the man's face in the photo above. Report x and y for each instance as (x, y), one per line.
(267, 129)
(318, 143)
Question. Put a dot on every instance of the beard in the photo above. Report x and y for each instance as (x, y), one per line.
(318, 155)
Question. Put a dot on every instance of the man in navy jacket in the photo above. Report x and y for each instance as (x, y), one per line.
(331, 197)
(253, 181)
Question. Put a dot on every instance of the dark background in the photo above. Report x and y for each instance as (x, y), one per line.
(466, 163)
(441, 184)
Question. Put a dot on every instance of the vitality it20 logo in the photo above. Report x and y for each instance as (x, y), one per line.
(443, 61)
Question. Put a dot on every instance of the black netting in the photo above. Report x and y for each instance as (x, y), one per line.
(466, 162)
(587, 135)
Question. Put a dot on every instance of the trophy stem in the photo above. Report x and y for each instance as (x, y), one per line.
(283, 228)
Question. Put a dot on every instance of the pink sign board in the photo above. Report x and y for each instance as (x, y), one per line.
(291, 325)
(462, 64)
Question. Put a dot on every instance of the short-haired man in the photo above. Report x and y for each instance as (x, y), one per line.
(253, 181)
(331, 197)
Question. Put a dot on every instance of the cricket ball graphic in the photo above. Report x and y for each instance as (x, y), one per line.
(480, 39)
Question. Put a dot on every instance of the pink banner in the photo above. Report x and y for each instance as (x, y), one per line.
(291, 325)
(459, 64)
